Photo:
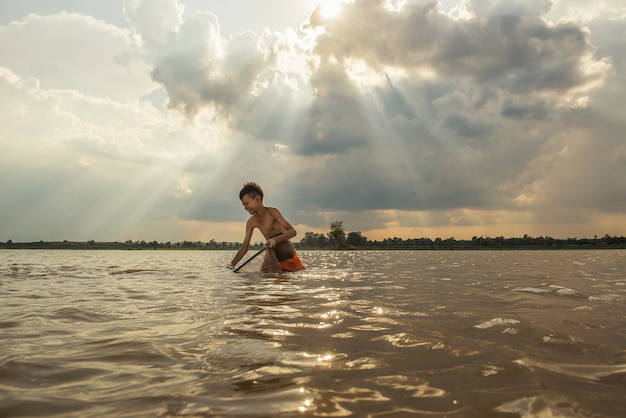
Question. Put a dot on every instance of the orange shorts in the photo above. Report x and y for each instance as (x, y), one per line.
(292, 264)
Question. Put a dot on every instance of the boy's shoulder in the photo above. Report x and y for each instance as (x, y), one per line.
(274, 212)
(252, 220)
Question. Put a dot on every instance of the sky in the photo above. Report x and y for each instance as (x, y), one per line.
(142, 119)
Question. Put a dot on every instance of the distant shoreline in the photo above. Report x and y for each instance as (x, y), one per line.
(234, 246)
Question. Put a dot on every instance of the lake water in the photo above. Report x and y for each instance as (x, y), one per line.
(362, 333)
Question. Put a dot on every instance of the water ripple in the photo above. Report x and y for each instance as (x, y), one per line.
(463, 333)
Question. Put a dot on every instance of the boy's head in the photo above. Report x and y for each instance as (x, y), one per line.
(251, 189)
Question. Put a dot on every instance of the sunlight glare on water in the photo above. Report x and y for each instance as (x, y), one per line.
(360, 333)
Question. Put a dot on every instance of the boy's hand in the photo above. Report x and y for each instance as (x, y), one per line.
(271, 243)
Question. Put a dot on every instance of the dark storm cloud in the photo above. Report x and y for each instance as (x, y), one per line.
(517, 52)
(337, 120)
(530, 111)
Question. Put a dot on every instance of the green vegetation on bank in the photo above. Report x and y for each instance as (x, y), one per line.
(126, 245)
(337, 238)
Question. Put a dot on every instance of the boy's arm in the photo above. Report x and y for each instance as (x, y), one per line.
(289, 233)
(244, 247)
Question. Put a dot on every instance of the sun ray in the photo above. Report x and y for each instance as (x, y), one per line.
(331, 9)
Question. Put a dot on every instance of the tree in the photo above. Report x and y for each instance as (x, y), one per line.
(313, 240)
(337, 234)
(356, 239)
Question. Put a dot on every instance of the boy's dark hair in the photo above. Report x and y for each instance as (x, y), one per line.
(252, 189)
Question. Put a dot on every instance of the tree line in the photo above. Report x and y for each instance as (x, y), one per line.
(338, 238)
(123, 245)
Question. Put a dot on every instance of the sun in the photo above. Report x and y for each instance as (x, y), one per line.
(331, 8)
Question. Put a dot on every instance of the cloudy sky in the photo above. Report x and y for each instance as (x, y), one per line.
(141, 119)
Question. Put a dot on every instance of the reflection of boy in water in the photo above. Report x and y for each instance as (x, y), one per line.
(277, 231)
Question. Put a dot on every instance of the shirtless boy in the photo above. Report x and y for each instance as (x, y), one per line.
(274, 227)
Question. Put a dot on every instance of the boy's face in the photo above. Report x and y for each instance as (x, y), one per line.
(251, 204)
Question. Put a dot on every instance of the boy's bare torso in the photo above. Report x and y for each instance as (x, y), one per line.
(267, 224)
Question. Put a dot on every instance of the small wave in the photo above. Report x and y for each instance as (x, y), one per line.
(344, 335)
(536, 406)
(75, 314)
(511, 331)
(420, 388)
(363, 363)
(595, 372)
(130, 271)
(531, 290)
(333, 401)
(611, 297)
(491, 370)
(567, 292)
(561, 291)
(263, 397)
(368, 328)
(496, 322)
(404, 340)
(558, 339)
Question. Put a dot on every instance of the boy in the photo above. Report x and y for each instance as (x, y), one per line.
(274, 227)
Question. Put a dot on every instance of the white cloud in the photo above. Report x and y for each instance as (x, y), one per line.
(582, 11)
(508, 7)
(155, 20)
(72, 51)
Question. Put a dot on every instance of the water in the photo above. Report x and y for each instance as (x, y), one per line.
(372, 333)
